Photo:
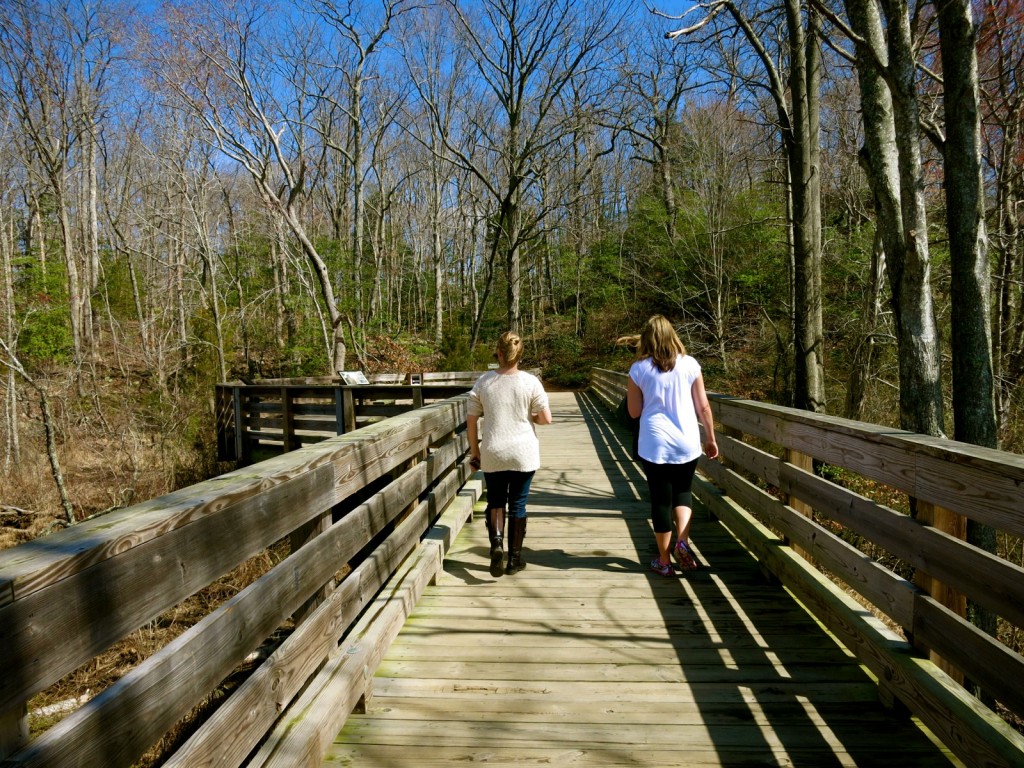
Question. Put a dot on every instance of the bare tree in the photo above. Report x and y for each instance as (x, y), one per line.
(437, 65)
(358, 36)
(893, 130)
(12, 440)
(974, 414)
(12, 363)
(225, 75)
(1001, 51)
(54, 60)
(655, 78)
(795, 94)
(525, 55)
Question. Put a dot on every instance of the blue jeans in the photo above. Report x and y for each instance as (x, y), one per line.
(508, 487)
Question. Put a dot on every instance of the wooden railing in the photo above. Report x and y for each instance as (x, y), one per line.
(274, 416)
(801, 525)
(66, 598)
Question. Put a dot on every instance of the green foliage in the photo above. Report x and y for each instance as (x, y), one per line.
(562, 357)
(46, 335)
(43, 306)
(455, 352)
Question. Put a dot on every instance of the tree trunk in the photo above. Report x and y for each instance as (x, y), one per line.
(12, 448)
(358, 205)
(437, 254)
(1009, 363)
(892, 135)
(973, 387)
(51, 452)
(804, 154)
(668, 192)
(863, 355)
(974, 415)
(76, 294)
(92, 240)
(513, 266)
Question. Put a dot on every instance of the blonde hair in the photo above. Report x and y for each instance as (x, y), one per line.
(510, 348)
(659, 341)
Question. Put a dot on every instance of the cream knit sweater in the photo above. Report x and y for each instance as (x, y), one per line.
(506, 403)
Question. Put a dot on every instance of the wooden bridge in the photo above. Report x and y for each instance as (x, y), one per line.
(382, 640)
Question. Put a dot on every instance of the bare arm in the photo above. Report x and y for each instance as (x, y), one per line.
(542, 417)
(703, 410)
(474, 438)
(634, 399)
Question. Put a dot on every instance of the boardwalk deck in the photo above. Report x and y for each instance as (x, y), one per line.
(586, 658)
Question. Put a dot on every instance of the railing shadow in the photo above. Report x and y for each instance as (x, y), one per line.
(811, 703)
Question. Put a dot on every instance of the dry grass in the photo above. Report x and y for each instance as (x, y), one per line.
(64, 697)
(112, 453)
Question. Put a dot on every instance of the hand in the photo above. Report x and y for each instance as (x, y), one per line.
(474, 462)
(711, 449)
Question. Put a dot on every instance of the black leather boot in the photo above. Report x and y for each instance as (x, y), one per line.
(516, 534)
(497, 545)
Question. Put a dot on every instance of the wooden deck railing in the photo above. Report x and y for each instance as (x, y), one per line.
(66, 598)
(273, 416)
(800, 525)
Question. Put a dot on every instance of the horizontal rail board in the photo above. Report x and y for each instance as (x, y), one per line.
(132, 565)
(983, 484)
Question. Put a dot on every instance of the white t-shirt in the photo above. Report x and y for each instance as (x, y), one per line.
(669, 433)
(505, 403)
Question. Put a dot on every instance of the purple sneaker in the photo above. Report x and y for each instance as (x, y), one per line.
(684, 556)
(663, 569)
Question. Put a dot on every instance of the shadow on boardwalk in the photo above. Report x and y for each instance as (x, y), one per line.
(587, 658)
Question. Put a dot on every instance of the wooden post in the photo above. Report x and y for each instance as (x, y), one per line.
(13, 730)
(954, 525)
(225, 429)
(344, 410)
(806, 463)
(297, 540)
(417, 397)
(241, 444)
(289, 443)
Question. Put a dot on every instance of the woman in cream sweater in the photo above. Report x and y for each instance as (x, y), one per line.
(504, 407)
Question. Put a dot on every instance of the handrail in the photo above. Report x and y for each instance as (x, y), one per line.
(813, 513)
(257, 421)
(273, 416)
(67, 597)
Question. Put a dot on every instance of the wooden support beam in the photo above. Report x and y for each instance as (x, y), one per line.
(955, 525)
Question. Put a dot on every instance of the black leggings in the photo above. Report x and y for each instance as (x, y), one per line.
(669, 486)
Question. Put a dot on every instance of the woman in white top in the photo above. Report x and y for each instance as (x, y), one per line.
(508, 402)
(666, 392)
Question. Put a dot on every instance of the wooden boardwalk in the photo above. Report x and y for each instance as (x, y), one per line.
(587, 658)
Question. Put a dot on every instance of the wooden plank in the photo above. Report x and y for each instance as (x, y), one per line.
(130, 566)
(315, 717)
(529, 753)
(982, 483)
(990, 580)
(53, 630)
(586, 658)
(240, 724)
(103, 733)
(996, 668)
(880, 586)
(972, 731)
(356, 457)
(986, 578)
